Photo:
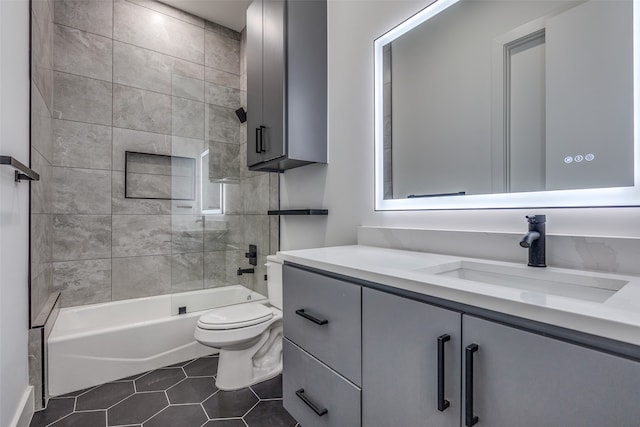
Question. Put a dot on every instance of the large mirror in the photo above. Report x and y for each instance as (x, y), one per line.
(507, 104)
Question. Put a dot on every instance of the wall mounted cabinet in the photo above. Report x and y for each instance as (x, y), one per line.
(424, 364)
(286, 84)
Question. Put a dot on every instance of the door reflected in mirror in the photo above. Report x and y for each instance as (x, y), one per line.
(493, 98)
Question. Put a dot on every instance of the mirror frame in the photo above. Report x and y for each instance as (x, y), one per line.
(594, 197)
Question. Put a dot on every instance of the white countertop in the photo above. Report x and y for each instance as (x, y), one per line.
(618, 317)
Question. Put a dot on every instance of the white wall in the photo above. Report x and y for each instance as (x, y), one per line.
(14, 209)
(345, 185)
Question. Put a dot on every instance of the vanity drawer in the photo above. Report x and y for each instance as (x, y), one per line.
(322, 315)
(309, 387)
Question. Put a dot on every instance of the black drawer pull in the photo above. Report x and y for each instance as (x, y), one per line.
(442, 402)
(300, 312)
(310, 404)
(470, 419)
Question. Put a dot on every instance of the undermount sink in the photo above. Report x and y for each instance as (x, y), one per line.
(584, 286)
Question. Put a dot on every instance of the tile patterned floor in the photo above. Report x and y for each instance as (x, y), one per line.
(180, 395)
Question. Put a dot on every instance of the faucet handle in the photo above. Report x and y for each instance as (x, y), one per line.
(536, 219)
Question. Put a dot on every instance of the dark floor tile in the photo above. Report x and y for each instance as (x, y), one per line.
(192, 390)
(160, 379)
(269, 414)
(76, 393)
(181, 415)
(137, 408)
(226, 423)
(104, 396)
(203, 367)
(132, 377)
(56, 409)
(180, 364)
(230, 404)
(83, 419)
(269, 389)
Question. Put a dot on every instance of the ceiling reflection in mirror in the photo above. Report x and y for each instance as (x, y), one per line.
(490, 98)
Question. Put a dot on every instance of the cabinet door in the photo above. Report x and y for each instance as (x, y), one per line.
(400, 362)
(254, 81)
(274, 77)
(521, 379)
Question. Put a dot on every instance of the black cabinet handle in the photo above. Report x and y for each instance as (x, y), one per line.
(258, 137)
(442, 402)
(262, 149)
(311, 404)
(300, 312)
(470, 419)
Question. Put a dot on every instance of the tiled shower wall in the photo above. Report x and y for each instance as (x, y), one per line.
(142, 76)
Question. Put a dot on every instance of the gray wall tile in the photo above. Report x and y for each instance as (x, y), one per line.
(152, 30)
(41, 243)
(187, 272)
(42, 57)
(81, 191)
(141, 68)
(82, 53)
(220, 124)
(82, 99)
(222, 78)
(141, 110)
(40, 190)
(224, 161)
(77, 237)
(220, 268)
(217, 28)
(223, 96)
(187, 233)
(144, 276)
(136, 235)
(142, 142)
(168, 10)
(234, 204)
(187, 87)
(95, 16)
(222, 53)
(83, 282)
(81, 145)
(255, 192)
(187, 118)
(217, 233)
(120, 205)
(146, 186)
(41, 138)
(41, 289)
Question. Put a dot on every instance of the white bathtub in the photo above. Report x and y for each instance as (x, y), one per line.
(97, 343)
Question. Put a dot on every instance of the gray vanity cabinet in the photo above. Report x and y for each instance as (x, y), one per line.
(322, 349)
(401, 339)
(286, 84)
(529, 380)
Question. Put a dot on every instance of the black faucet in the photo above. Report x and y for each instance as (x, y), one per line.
(242, 271)
(535, 240)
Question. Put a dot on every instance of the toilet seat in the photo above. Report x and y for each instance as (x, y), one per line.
(235, 316)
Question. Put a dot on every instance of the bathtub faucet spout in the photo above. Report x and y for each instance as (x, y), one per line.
(242, 271)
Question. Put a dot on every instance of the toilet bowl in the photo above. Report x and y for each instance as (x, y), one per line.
(248, 336)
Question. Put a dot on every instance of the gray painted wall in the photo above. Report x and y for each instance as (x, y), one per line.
(14, 208)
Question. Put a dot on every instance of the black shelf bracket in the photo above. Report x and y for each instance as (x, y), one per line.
(22, 171)
(299, 212)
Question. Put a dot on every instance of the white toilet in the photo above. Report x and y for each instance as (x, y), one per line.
(248, 335)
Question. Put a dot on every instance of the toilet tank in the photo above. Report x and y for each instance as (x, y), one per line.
(274, 280)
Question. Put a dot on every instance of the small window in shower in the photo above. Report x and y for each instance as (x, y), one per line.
(156, 176)
(211, 197)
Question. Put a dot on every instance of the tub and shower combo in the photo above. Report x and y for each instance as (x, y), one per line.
(94, 344)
